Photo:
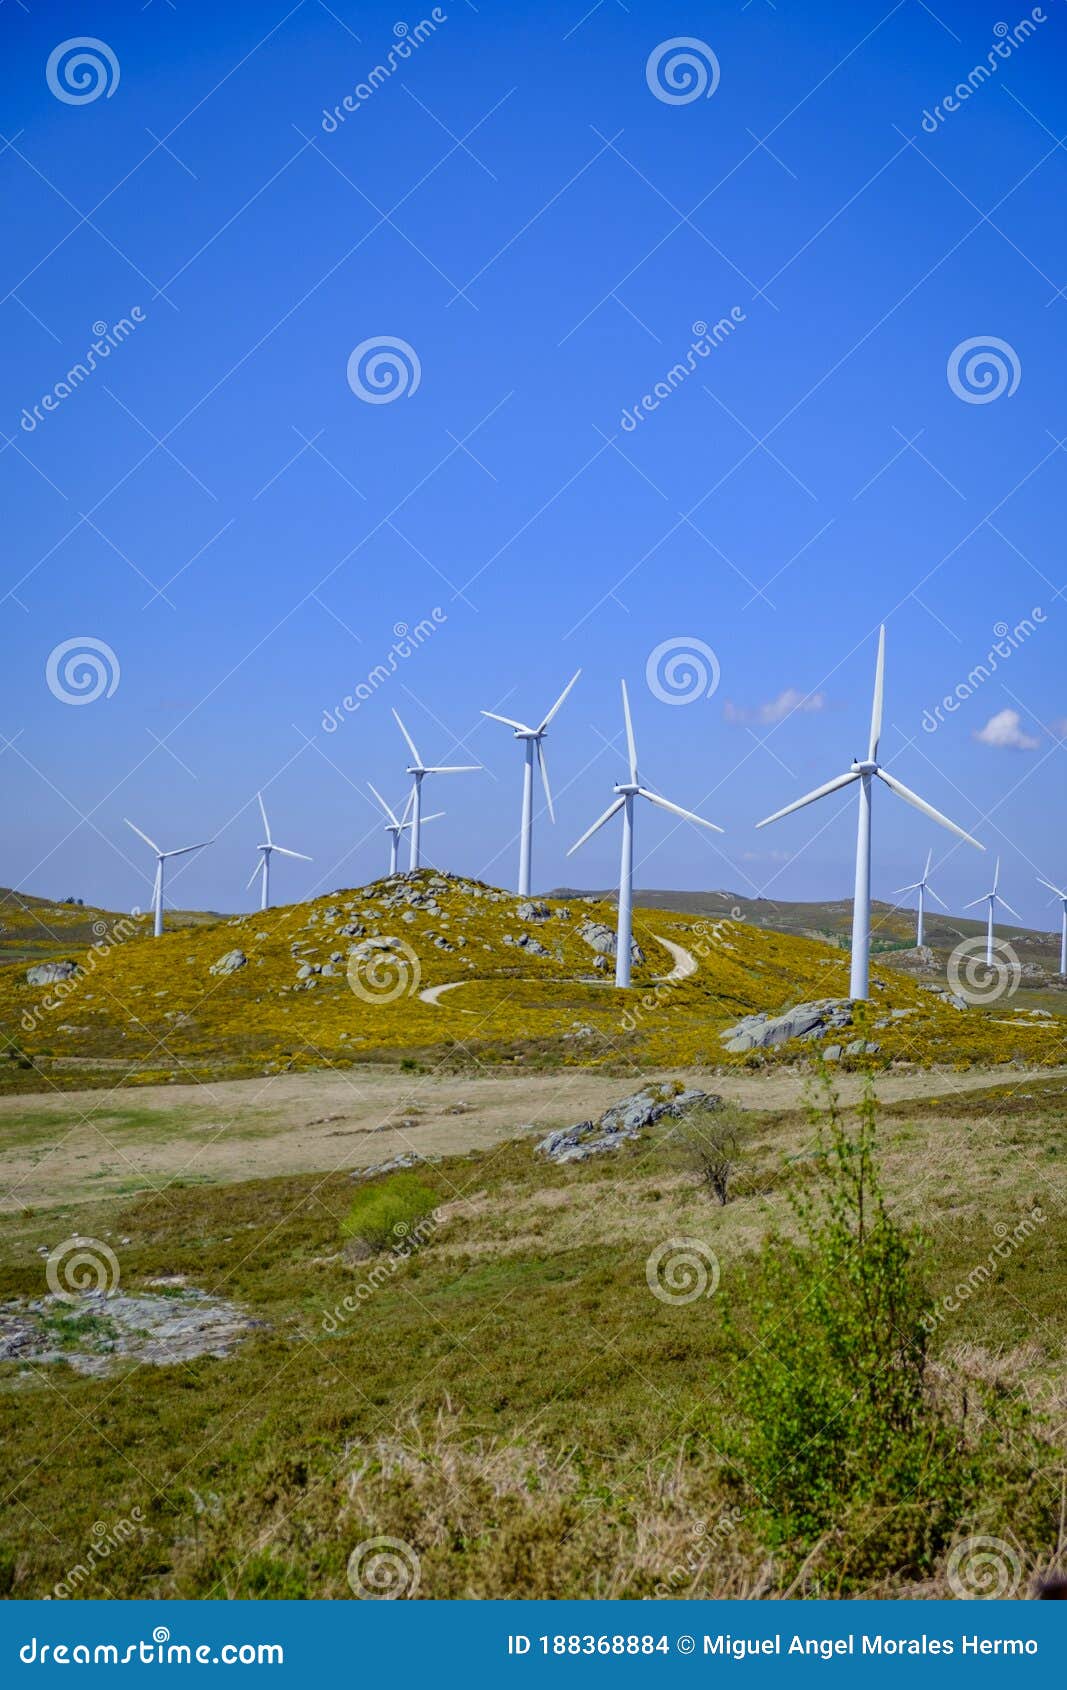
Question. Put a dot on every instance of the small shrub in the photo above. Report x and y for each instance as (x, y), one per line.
(709, 1140)
(383, 1215)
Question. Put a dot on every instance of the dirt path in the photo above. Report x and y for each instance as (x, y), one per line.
(81, 1145)
(685, 964)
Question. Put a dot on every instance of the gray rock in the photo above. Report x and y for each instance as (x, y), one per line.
(532, 945)
(533, 912)
(229, 964)
(806, 1021)
(47, 973)
(143, 1328)
(832, 1053)
(602, 939)
(624, 1121)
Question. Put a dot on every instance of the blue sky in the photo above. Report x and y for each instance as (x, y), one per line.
(218, 507)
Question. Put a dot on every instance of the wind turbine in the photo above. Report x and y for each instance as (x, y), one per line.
(864, 772)
(626, 792)
(417, 769)
(396, 825)
(993, 898)
(922, 887)
(531, 739)
(161, 857)
(1062, 896)
(262, 868)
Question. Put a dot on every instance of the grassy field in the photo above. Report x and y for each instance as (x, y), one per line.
(504, 1394)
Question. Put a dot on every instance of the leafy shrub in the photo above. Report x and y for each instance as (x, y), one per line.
(383, 1215)
(709, 1141)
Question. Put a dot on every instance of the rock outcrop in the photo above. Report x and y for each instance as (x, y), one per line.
(624, 1121)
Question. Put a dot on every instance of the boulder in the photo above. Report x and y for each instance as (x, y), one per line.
(229, 963)
(602, 940)
(533, 912)
(807, 1021)
(47, 973)
(624, 1120)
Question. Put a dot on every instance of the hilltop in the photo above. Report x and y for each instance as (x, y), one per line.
(439, 970)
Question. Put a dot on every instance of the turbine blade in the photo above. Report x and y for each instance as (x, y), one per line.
(559, 701)
(414, 749)
(257, 870)
(914, 887)
(984, 899)
(183, 850)
(929, 860)
(263, 813)
(542, 765)
(282, 852)
(141, 835)
(996, 876)
(810, 797)
(911, 797)
(589, 832)
(436, 816)
(936, 897)
(1042, 882)
(453, 769)
(520, 727)
(1008, 907)
(676, 809)
(879, 695)
(408, 802)
(630, 743)
(384, 805)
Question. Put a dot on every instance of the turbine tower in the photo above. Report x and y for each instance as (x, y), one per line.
(417, 769)
(922, 887)
(1062, 896)
(626, 792)
(992, 898)
(161, 857)
(262, 868)
(864, 772)
(531, 739)
(396, 825)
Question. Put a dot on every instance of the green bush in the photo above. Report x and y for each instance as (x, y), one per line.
(384, 1215)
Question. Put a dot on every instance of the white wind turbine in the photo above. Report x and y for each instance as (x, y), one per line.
(627, 791)
(992, 898)
(864, 773)
(396, 825)
(531, 739)
(417, 769)
(262, 868)
(922, 887)
(161, 857)
(1062, 896)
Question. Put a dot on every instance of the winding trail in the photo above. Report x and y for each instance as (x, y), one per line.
(685, 964)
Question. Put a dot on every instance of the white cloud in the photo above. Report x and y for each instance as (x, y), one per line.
(1005, 731)
(776, 709)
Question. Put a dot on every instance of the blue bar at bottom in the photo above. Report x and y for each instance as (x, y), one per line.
(533, 1643)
